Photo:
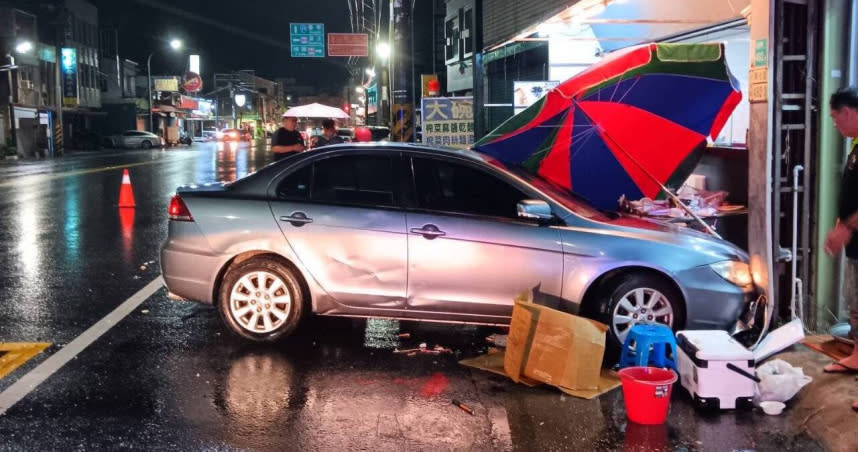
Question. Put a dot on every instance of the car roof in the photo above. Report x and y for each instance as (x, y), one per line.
(257, 183)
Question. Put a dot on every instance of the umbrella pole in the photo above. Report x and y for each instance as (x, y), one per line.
(675, 199)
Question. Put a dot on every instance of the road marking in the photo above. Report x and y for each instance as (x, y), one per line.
(23, 180)
(14, 354)
(32, 379)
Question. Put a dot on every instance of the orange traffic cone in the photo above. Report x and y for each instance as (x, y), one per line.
(126, 194)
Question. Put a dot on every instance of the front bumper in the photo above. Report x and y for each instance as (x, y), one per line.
(711, 302)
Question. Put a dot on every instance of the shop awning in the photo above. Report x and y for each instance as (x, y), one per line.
(616, 24)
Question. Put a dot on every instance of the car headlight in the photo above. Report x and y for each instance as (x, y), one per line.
(738, 273)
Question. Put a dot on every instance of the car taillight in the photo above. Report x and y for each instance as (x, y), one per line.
(178, 211)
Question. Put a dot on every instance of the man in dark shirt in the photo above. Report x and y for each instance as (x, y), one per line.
(286, 140)
(844, 112)
(328, 136)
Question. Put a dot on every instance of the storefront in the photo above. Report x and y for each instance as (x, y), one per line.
(787, 57)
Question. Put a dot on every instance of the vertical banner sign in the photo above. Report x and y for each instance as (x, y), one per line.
(448, 121)
(307, 40)
(403, 123)
(372, 99)
(69, 75)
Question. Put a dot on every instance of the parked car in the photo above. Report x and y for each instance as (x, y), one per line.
(234, 135)
(413, 232)
(139, 139)
(207, 136)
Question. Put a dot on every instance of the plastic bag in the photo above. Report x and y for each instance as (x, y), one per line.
(779, 381)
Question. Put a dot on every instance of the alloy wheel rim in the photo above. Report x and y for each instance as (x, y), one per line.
(639, 307)
(260, 302)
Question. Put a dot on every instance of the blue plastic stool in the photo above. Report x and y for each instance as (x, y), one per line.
(645, 339)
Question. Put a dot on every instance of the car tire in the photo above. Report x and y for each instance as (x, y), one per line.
(633, 299)
(258, 316)
(146, 144)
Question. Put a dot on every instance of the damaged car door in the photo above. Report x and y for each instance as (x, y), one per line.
(469, 252)
(341, 215)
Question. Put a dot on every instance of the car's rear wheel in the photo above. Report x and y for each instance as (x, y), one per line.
(634, 299)
(261, 300)
(146, 144)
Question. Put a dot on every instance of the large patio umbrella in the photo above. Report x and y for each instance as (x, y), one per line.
(315, 110)
(631, 124)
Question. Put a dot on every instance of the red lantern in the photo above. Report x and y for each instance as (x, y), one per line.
(362, 134)
(434, 88)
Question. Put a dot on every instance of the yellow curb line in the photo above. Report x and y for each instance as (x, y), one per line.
(17, 353)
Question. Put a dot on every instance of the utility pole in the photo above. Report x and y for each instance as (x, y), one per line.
(402, 115)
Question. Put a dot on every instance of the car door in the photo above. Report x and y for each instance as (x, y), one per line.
(342, 216)
(128, 139)
(468, 252)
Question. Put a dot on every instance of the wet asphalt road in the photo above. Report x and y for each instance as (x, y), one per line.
(170, 377)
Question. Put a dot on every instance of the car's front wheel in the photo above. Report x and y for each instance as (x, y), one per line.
(635, 299)
(146, 144)
(261, 300)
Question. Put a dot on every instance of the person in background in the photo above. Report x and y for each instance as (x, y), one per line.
(329, 135)
(287, 140)
(844, 111)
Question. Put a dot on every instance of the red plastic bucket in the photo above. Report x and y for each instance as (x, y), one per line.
(646, 391)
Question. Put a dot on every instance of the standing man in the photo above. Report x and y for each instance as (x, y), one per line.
(329, 135)
(286, 140)
(844, 112)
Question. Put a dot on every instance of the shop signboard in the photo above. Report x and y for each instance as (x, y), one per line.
(47, 53)
(348, 44)
(192, 82)
(307, 40)
(761, 52)
(758, 84)
(372, 99)
(166, 84)
(69, 75)
(448, 121)
(526, 93)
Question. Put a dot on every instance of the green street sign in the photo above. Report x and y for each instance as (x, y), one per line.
(307, 40)
(761, 53)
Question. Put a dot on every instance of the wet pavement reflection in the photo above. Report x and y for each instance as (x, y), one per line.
(170, 377)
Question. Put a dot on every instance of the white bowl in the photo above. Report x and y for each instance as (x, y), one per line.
(772, 408)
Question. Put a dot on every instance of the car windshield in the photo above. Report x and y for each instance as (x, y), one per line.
(567, 199)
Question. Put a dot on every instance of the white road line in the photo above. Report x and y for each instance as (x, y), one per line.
(32, 379)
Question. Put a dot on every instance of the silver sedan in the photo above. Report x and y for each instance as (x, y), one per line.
(411, 232)
(139, 139)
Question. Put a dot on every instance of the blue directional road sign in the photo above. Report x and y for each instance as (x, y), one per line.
(307, 40)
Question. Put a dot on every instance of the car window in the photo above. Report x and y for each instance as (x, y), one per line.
(450, 187)
(354, 179)
(296, 186)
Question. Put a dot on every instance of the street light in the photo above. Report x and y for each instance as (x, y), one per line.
(24, 47)
(359, 89)
(175, 44)
(382, 49)
(240, 99)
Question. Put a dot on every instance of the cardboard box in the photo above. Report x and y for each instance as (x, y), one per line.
(554, 347)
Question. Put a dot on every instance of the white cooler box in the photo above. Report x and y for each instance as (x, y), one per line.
(715, 369)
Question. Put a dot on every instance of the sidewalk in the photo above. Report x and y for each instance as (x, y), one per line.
(823, 408)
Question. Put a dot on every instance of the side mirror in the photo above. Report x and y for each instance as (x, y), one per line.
(534, 209)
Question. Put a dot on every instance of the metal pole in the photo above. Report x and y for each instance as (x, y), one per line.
(478, 70)
(149, 76)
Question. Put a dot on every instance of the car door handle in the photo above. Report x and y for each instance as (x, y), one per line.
(297, 219)
(429, 231)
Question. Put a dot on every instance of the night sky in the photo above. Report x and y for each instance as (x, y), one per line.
(229, 35)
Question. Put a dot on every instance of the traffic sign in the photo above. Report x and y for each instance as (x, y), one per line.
(348, 44)
(307, 40)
